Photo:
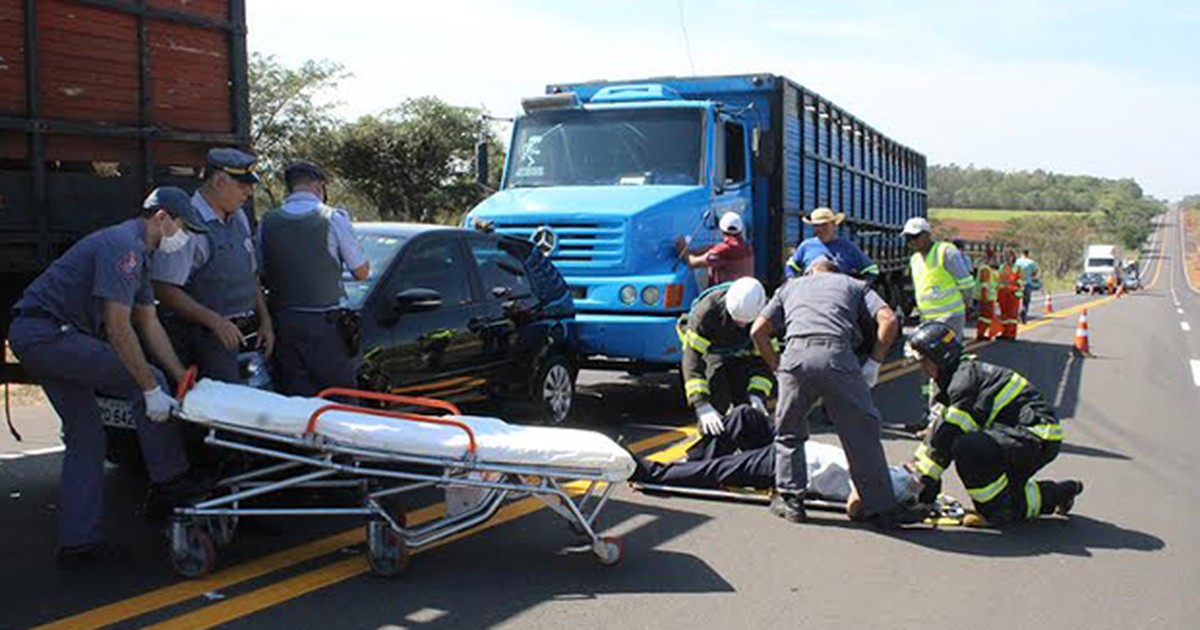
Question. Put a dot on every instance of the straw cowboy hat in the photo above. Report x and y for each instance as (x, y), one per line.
(821, 216)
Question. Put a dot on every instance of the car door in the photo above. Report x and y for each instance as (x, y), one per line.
(436, 350)
(508, 308)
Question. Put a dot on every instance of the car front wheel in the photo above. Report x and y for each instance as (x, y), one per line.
(554, 390)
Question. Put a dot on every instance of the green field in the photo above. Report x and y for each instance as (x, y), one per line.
(982, 214)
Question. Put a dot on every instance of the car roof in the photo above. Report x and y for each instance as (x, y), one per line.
(406, 230)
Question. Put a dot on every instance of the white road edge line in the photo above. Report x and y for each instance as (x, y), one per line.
(1185, 326)
(1179, 311)
(1196, 372)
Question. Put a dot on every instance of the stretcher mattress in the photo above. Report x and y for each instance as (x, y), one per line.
(497, 442)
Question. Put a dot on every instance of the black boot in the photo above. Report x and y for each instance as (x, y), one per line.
(185, 488)
(1067, 491)
(789, 507)
(91, 553)
(900, 516)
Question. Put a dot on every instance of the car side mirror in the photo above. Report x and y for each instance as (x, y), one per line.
(416, 300)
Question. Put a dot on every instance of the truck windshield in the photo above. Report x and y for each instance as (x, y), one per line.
(1100, 262)
(630, 147)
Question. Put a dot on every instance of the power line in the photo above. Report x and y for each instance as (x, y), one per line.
(687, 44)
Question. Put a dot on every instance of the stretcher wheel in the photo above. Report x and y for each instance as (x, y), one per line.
(196, 556)
(609, 551)
(387, 554)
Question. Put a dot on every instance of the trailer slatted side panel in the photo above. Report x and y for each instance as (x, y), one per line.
(99, 101)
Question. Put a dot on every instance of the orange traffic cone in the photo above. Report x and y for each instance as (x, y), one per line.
(1049, 304)
(1082, 341)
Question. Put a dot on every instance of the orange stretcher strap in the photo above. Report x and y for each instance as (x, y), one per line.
(394, 398)
(383, 413)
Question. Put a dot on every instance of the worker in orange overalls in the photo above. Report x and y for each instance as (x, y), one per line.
(986, 282)
(1009, 295)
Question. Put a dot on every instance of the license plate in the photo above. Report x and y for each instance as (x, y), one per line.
(116, 413)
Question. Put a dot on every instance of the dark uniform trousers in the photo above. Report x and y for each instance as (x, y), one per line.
(1002, 460)
(196, 344)
(72, 367)
(826, 367)
(310, 354)
(741, 456)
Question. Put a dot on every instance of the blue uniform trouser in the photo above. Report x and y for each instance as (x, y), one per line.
(310, 353)
(742, 455)
(72, 367)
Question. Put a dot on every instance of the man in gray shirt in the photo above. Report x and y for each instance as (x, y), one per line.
(823, 315)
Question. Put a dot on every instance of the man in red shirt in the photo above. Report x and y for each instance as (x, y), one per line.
(726, 261)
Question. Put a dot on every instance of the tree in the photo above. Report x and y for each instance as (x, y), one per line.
(288, 120)
(1057, 240)
(415, 162)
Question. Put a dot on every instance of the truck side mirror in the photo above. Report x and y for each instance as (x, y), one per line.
(481, 164)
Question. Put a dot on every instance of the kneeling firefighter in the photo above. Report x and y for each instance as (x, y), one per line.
(720, 367)
(996, 428)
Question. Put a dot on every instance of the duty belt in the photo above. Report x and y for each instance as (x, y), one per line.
(818, 340)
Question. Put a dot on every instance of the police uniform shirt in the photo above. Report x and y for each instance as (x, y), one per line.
(843, 252)
(342, 244)
(823, 305)
(177, 267)
(109, 264)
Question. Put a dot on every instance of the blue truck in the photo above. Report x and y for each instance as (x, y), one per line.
(604, 176)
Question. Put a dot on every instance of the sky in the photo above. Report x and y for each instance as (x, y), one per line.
(1101, 87)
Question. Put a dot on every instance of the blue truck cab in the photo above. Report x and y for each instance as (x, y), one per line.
(605, 176)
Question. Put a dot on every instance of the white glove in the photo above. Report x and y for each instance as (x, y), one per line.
(870, 372)
(710, 421)
(159, 405)
(759, 405)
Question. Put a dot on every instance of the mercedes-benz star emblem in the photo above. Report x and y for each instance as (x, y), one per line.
(545, 240)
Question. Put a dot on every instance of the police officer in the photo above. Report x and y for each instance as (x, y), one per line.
(996, 428)
(720, 367)
(826, 243)
(823, 314)
(210, 287)
(304, 246)
(86, 325)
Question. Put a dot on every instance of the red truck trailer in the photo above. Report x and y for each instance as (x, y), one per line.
(100, 101)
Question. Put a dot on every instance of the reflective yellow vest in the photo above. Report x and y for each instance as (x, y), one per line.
(936, 288)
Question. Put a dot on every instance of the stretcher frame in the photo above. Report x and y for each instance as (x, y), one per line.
(313, 461)
(946, 512)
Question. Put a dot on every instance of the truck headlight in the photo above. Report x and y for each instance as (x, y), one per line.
(650, 295)
(628, 294)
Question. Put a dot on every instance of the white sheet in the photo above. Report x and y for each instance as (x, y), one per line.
(829, 474)
(497, 442)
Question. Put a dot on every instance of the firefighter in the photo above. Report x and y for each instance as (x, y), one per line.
(994, 426)
(720, 367)
(1008, 296)
(987, 284)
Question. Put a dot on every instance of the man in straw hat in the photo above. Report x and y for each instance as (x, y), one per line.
(846, 255)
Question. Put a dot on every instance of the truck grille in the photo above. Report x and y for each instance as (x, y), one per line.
(582, 243)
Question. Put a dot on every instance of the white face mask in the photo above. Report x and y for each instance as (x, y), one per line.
(174, 242)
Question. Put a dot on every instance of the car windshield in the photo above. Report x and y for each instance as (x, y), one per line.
(629, 147)
(379, 249)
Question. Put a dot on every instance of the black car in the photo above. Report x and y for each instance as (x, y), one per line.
(463, 316)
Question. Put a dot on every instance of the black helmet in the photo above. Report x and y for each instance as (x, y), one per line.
(937, 342)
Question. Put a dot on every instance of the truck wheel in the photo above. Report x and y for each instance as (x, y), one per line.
(554, 390)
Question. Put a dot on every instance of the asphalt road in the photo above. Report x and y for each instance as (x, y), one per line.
(1127, 558)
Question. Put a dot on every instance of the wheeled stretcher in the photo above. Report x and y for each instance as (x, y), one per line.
(478, 462)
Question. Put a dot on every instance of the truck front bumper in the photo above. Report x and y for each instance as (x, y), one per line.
(645, 338)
